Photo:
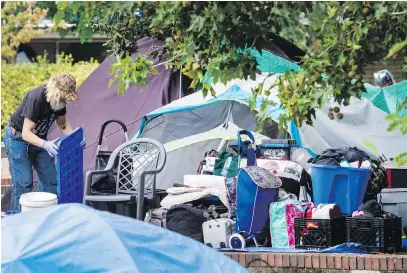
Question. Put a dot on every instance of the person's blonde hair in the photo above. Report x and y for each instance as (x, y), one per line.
(58, 85)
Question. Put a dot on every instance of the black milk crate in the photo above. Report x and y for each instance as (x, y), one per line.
(376, 234)
(329, 233)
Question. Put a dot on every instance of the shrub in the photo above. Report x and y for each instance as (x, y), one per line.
(17, 79)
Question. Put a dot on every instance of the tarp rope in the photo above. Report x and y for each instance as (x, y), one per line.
(120, 129)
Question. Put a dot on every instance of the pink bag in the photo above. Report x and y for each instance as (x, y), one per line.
(282, 215)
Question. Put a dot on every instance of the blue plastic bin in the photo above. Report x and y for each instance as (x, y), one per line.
(343, 186)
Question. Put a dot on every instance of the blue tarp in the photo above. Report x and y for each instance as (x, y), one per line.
(76, 238)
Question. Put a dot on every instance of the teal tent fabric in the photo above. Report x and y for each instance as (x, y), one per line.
(387, 99)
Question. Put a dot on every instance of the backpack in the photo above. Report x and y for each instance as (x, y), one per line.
(377, 180)
(186, 220)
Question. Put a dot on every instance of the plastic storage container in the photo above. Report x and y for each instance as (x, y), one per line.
(36, 200)
(343, 186)
(329, 233)
(277, 147)
(395, 201)
(376, 234)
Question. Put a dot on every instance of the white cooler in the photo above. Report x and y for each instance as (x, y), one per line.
(216, 232)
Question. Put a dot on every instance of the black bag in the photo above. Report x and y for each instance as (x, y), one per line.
(186, 220)
(105, 183)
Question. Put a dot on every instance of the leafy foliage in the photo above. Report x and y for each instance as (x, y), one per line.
(123, 25)
(133, 71)
(348, 36)
(208, 37)
(398, 120)
(18, 26)
(401, 159)
(17, 79)
(80, 13)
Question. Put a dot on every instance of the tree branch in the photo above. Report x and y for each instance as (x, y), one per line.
(168, 61)
(329, 47)
(399, 12)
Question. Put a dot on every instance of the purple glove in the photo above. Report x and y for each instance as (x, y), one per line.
(51, 147)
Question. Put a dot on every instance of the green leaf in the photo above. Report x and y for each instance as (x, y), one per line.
(356, 47)
(213, 93)
(380, 9)
(369, 145)
(112, 80)
(154, 71)
(212, 39)
(200, 76)
(401, 159)
(341, 59)
(396, 48)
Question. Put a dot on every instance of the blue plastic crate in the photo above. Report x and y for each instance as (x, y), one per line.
(70, 168)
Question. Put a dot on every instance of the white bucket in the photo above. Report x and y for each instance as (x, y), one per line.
(36, 200)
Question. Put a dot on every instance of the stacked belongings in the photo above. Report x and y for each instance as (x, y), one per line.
(295, 179)
(282, 221)
(246, 180)
(353, 157)
(376, 229)
(255, 188)
(187, 219)
(206, 166)
(282, 215)
(272, 155)
(320, 227)
(347, 177)
(188, 206)
(198, 207)
(340, 176)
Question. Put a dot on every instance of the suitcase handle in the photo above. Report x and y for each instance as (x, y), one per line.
(102, 130)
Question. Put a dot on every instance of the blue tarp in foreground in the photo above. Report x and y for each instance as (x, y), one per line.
(76, 238)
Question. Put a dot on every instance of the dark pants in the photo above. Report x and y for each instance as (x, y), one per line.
(22, 157)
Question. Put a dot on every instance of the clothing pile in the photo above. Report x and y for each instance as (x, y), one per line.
(372, 209)
(354, 156)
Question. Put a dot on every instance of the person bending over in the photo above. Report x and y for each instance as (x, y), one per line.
(26, 135)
